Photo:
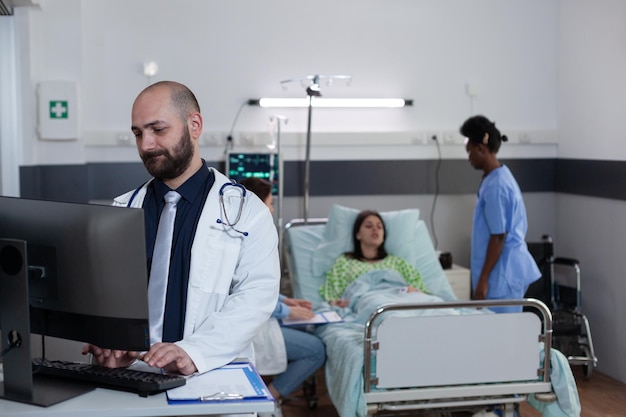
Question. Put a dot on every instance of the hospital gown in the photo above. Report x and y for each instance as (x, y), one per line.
(346, 270)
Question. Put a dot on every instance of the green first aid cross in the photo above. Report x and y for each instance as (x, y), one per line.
(58, 109)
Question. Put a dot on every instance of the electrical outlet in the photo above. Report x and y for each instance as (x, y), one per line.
(246, 139)
(125, 139)
(524, 137)
(471, 88)
(419, 139)
(449, 137)
(213, 138)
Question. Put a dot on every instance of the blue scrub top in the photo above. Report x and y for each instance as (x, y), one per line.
(500, 209)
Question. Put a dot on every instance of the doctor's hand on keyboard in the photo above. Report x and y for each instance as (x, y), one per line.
(111, 358)
(167, 356)
(141, 382)
(170, 357)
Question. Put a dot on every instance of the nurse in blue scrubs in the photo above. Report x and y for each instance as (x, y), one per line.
(501, 266)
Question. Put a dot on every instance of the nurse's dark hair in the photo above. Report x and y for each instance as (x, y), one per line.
(258, 186)
(183, 99)
(357, 253)
(475, 128)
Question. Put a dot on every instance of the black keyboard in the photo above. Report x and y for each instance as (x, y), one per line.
(143, 383)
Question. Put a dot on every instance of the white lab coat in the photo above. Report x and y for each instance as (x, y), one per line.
(233, 280)
(269, 349)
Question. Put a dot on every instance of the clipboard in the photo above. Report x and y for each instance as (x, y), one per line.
(320, 318)
(237, 381)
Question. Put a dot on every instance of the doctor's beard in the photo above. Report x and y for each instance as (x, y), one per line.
(172, 165)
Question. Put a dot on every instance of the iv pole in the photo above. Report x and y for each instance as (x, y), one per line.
(307, 156)
(279, 207)
(313, 90)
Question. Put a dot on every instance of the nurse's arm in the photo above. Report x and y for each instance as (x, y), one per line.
(494, 250)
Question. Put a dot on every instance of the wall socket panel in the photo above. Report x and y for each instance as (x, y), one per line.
(328, 139)
(213, 138)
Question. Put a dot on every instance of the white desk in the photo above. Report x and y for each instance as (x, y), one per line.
(110, 403)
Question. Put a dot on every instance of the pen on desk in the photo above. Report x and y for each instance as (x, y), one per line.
(219, 396)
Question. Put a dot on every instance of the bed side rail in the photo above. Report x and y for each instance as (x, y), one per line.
(306, 222)
(296, 223)
(542, 309)
(286, 260)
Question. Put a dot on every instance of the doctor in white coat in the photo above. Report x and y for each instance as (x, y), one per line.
(230, 262)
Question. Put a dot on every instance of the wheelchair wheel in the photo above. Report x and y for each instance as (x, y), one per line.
(588, 367)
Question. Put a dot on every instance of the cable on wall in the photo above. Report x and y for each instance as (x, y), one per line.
(432, 210)
(230, 143)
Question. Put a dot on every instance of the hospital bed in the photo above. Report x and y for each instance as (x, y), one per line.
(455, 357)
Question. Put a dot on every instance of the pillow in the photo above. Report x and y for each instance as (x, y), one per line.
(300, 244)
(428, 265)
(337, 238)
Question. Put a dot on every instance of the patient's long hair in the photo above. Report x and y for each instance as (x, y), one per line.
(356, 244)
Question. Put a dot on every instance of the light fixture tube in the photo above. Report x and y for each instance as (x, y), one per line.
(331, 102)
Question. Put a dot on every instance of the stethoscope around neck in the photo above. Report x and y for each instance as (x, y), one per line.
(226, 221)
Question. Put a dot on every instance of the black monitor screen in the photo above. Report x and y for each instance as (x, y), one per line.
(264, 165)
(87, 270)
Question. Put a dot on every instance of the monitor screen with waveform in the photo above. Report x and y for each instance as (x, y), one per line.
(264, 165)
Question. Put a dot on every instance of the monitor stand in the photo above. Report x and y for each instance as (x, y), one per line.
(19, 383)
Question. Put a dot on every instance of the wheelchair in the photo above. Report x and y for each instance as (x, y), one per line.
(560, 289)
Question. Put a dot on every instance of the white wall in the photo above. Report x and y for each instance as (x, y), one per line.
(592, 91)
(228, 52)
(592, 103)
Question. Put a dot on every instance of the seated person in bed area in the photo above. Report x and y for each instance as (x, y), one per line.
(368, 236)
(305, 352)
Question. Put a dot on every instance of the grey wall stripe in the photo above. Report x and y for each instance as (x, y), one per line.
(409, 177)
(57, 182)
(110, 180)
(591, 178)
(103, 181)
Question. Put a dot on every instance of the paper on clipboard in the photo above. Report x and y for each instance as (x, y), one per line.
(234, 381)
(320, 318)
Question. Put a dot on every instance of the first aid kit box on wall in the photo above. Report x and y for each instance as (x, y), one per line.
(58, 110)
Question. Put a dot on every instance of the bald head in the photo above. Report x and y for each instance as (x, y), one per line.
(181, 98)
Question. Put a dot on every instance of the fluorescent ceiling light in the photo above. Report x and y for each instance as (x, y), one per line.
(331, 102)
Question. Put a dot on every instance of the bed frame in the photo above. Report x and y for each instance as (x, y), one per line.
(473, 360)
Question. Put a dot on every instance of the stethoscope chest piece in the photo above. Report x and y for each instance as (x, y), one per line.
(239, 193)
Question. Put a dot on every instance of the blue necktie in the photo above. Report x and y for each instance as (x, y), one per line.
(159, 272)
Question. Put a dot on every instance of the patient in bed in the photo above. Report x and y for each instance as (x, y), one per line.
(368, 255)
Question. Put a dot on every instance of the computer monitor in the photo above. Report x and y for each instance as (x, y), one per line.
(264, 165)
(73, 271)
